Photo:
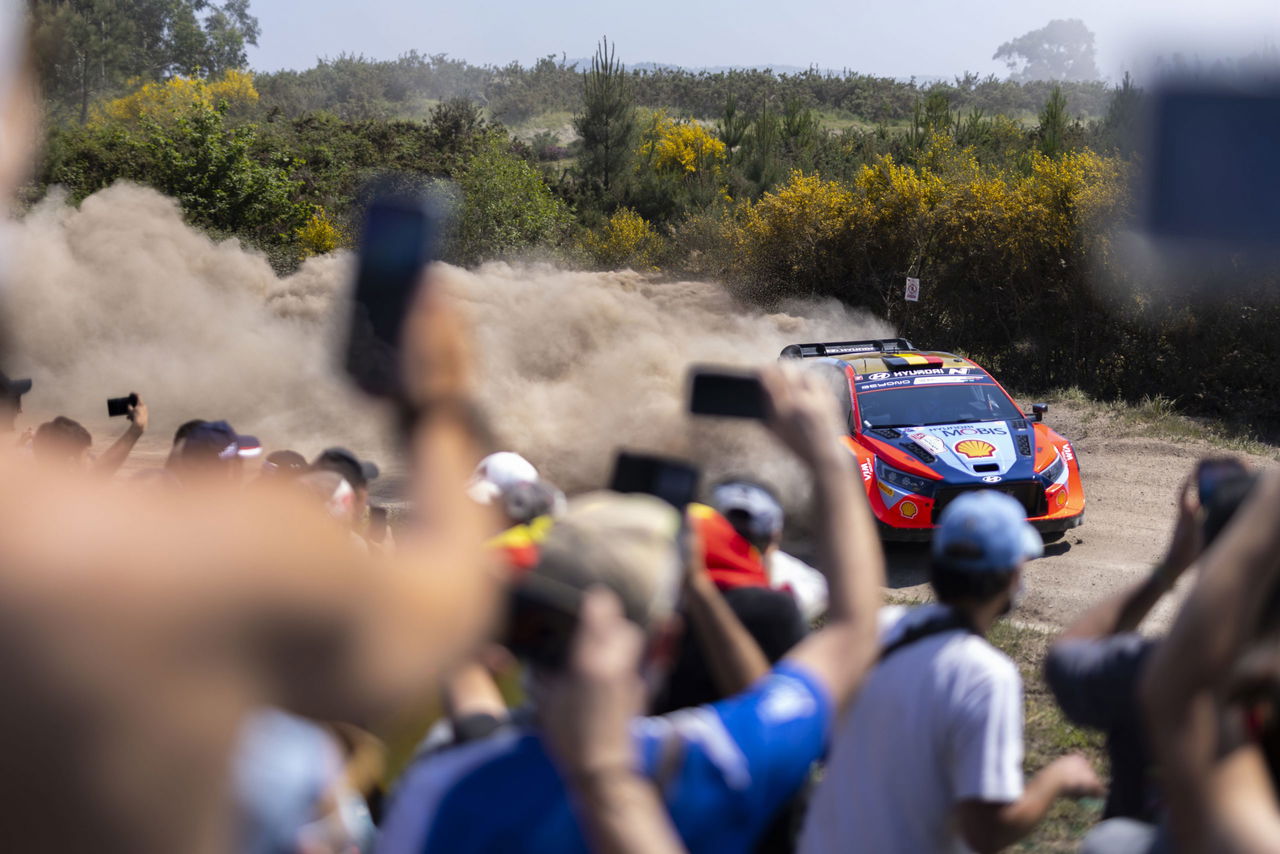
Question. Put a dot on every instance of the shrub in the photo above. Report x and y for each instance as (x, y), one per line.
(319, 235)
(625, 240)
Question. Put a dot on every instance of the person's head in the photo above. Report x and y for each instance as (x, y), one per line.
(627, 543)
(205, 450)
(979, 548)
(11, 392)
(496, 475)
(528, 500)
(284, 465)
(335, 493)
(62, 442)
(752, 509)
(355, 471)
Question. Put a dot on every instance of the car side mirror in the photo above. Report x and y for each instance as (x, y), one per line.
(1038, 410)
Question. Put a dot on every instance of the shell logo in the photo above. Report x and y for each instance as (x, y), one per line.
(976, 449)
(908, 509)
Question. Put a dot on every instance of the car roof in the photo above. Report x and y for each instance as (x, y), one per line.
(873, 363)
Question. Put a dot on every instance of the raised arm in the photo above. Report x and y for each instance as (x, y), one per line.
(1181, 686)
(733, 657)
(114, 457)
(586, 714)
(804, 417)
(1124, 611)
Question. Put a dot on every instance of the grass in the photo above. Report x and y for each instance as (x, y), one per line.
(1158, 418)
(1047, 735)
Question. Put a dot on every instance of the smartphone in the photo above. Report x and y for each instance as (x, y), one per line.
(400, 237)
(1212, 173)
(674, 481)
(118, 406)
(1212, 473)
(542, 619)
(377, 531)
(733, 394)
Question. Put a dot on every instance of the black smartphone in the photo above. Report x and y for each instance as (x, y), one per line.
(1213, 472)
(733, 394)
(377, 531)
(542, 619)
(674, 481)
(400, 237)
(118, 406)
(1212, 173)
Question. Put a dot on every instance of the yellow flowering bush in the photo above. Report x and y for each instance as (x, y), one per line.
(319, 235)
(177, 95)
(625, 240)
(679, 147)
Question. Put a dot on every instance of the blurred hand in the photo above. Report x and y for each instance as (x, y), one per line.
(586, 711)
(1076, 778)
(437, 356)
(138, 413)
(1188, 536)
(802, 413)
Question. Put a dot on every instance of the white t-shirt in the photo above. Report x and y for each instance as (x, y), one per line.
(806, 584)
(937, 723)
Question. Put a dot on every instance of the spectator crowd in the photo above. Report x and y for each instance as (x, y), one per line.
(203, 655)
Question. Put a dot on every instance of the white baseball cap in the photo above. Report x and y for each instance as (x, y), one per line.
(497, 473)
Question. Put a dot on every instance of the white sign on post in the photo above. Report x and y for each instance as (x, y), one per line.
(913, 290)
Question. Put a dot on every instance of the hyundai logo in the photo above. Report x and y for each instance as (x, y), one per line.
(992, 478)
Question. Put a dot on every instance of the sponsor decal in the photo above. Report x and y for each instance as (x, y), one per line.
(932, 444)
(992, 478)
(976, 449)
(908, 509)
(867, 471)
(883, 385)
(957, 432)
(922, 372)
(1067, 453)
(943, 380)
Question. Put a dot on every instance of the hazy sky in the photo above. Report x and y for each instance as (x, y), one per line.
(895, 38)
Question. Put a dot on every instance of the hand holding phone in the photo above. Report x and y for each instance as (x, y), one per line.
(726, 392)
(120, 406)
(674, 481)
(400, 238)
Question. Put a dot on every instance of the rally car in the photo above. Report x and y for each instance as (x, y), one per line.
(928, 426)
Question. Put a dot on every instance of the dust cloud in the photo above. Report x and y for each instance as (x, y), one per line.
(119, 294)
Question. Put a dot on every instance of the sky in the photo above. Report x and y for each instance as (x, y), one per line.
(898, 38)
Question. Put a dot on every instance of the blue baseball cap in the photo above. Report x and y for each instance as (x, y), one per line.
(985, 531)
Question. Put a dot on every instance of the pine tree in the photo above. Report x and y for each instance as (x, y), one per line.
(607, 123)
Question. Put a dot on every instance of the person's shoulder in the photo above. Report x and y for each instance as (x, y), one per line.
(977, 658)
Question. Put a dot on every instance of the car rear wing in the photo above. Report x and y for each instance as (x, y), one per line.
(846, 348)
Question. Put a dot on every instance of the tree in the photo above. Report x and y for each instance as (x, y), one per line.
(607, 123)
(1061, 50)
(86, 48)
(1053, 124)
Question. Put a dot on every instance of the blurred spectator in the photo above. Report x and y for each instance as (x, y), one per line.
(498, 473)
(66, 443)
(357, 472)
(1210, 691)
(756, 514)
(1095, 665)
(930, 756)
(284, 465)
(724, 769)
(11, 392)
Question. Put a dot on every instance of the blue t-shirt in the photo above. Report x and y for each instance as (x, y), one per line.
(723, 770)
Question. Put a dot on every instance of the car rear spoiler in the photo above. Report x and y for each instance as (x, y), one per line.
(846, 348)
